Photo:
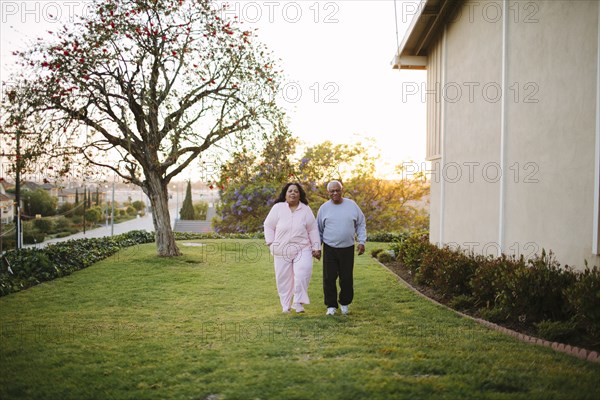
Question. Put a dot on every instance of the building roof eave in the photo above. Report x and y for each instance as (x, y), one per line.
(426, 26)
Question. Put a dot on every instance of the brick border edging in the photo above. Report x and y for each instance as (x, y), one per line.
(578, 352)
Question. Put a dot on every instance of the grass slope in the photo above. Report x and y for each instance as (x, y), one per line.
(208, 325)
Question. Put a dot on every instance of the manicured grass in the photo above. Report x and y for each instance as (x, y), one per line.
(208, 325)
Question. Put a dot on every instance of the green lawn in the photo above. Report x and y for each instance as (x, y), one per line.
(209, 325)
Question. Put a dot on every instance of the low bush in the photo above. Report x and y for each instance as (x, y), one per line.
(424, 262)
(492, 278)
(387, 237)
(32, 236)
(447, 271)
(385, 256)
(411, 250)
(200, 210)
(44, 225)
(215, 235)
(462, 302)
(494, 314)
(584, 298)
(453, 275)
(31, 266)
(63, 234)
(537, 294)
(62, 224)
(375, 252)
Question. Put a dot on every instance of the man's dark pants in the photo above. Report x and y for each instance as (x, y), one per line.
(338, 262)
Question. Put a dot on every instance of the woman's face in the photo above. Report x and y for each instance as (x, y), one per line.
(292, 196)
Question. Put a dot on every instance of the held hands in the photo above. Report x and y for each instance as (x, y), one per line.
(361, 249)
(316, 254)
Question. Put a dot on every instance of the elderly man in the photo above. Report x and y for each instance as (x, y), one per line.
(339, 220)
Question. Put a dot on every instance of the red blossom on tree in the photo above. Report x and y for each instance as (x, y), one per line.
(155, 85)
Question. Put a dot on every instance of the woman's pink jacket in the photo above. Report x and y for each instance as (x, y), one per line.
(287, 233)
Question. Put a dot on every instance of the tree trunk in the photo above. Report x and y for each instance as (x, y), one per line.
(156, 190)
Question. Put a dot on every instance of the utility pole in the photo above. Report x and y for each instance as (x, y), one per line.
(18, 167)
(18, 243)
(112, 211)
(84, 205)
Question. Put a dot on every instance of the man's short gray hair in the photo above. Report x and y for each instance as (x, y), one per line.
(330, 184)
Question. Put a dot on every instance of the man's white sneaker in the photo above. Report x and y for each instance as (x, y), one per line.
(330, 311)
(344, 310)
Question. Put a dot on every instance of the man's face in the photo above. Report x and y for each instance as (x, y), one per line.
(335, 193)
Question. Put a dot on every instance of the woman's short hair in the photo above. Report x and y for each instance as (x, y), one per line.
(281, 197)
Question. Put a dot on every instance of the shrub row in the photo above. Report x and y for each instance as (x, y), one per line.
(556, 302)
(31, 266)
(384, 237)
(387, 237)
(215, 235)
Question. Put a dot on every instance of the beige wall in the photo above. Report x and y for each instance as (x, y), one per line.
(550, 130)
(471, 135)
(556, 134)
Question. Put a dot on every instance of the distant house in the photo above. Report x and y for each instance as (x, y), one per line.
(29, 185)
(513, 124)
(68, 195)
(6, 209)
(5, 186)
(50, 188)
(6, 204)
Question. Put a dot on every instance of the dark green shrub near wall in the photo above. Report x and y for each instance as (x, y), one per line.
(384, 256)
(584, 297)
(492, 279)
(375, 252)
(537, 293)
(411, 250)
(447, 270)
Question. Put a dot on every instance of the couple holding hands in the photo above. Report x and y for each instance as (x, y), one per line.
(295, 237)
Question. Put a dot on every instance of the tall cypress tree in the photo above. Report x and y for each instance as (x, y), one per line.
(187, 210)
(88, 197)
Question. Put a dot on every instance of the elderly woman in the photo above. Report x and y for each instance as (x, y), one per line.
(292, 234)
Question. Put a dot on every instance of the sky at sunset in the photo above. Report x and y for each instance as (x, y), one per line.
(336, 57)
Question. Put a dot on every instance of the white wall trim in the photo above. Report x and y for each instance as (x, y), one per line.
(596, 221)
(503, 132)
(443, 138)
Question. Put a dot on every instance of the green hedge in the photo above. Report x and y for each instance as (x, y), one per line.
(31, 266)
(386, 237)
(214, 235)
(536, 293)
